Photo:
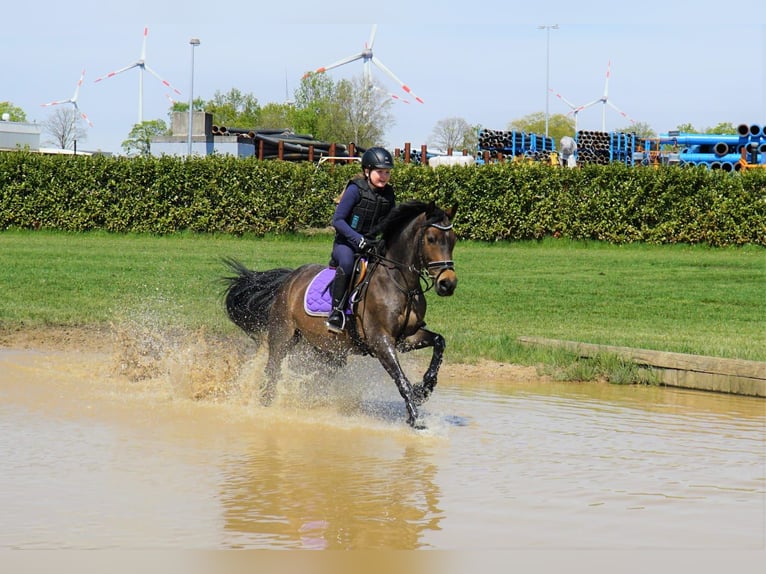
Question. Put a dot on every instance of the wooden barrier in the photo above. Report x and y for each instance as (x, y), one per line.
(733, 376)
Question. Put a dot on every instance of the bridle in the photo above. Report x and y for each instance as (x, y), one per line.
(441, 266)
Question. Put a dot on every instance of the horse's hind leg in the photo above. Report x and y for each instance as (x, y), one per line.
(280, 342)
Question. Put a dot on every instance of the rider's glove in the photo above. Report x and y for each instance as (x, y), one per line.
(367, 245)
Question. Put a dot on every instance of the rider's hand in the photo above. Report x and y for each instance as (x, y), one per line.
(367, 245)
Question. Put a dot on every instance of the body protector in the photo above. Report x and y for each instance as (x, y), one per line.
(371, 207)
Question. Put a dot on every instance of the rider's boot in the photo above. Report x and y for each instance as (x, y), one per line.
(337, 319)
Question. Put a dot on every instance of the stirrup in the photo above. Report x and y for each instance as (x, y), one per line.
(332, 323)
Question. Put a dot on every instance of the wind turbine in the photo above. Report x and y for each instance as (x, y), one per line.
(141, 65)
(605, 101)
(573, 109)
(73, 101)
(367, 58)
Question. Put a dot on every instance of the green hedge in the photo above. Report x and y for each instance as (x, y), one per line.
(517, 200)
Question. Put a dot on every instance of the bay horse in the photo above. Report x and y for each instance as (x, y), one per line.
(389, 308)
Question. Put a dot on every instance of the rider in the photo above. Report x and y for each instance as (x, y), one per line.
(365, 201)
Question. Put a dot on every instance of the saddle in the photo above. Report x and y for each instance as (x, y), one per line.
(317, 300)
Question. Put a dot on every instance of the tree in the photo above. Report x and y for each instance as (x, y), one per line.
(363, 111)
(346, 111)
(641, 129)
(559, 125)
(198, 105)
(314, 105)
(15, 114)
(62, 125)
(234, 109)
(275, 116)
(686, 128)
(454, 133)
(722, 129)
(139, 141)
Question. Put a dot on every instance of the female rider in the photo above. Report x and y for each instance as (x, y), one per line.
(365, 201)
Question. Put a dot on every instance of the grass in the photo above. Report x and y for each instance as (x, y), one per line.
(688, 299)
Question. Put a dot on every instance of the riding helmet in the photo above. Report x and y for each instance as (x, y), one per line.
(377, 158)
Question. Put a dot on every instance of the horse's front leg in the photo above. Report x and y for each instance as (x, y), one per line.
(386, 353)
(420, 340)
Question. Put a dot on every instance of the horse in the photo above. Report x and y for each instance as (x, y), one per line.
(388, 311)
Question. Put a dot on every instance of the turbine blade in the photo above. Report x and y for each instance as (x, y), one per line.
(563, 99)
(84, 116)
(367, 74)
(143, 45)
(120, 71)
(164, 82)
(404, 86)
(393, 96)
(371, 41)
(79, 83)
(56, 103)
(619, 111)
(589, 104)
(342, 62)
(606, 82)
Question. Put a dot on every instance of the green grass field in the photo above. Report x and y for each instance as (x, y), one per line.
(688, 299)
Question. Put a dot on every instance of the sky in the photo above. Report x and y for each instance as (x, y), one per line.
(698, 62)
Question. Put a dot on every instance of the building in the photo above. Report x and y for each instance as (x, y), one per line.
(16, 136)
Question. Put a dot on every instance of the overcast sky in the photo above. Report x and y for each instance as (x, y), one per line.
(701, 62)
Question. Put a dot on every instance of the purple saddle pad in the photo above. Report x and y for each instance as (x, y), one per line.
(318, 300)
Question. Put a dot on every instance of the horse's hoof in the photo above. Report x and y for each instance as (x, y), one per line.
(420, 394)
(416, 424)
(267, 399)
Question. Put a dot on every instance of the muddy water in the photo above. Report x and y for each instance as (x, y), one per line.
(92, 459)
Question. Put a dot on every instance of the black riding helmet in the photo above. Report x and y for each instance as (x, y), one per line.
(377, 158)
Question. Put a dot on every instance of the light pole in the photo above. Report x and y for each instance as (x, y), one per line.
(194, 42)
(547, 29)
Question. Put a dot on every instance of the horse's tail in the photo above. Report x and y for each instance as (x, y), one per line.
(250, 294)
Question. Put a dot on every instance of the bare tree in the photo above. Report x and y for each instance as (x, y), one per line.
(365, 111)
(64, 129)
(454, 133)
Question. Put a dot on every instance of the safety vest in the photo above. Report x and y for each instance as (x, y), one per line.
(371, 207)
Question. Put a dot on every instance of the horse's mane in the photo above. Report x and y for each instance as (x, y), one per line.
(401, 215)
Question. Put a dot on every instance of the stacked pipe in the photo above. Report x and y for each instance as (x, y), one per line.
(605, 147)
(721, 151)
(515, 144)
(286, 145)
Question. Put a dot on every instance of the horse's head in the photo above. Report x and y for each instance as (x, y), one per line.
(437, 243)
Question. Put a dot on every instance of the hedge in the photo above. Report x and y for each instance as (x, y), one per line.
(509, 201)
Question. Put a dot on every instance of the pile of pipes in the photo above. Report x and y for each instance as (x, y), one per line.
(286, 145)
(721, 151)
(515, 144)
(603, 148)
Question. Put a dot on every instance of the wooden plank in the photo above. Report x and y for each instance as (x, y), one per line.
(679, 369)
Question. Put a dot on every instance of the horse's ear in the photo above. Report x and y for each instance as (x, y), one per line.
(430, 206)
(451, 211)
